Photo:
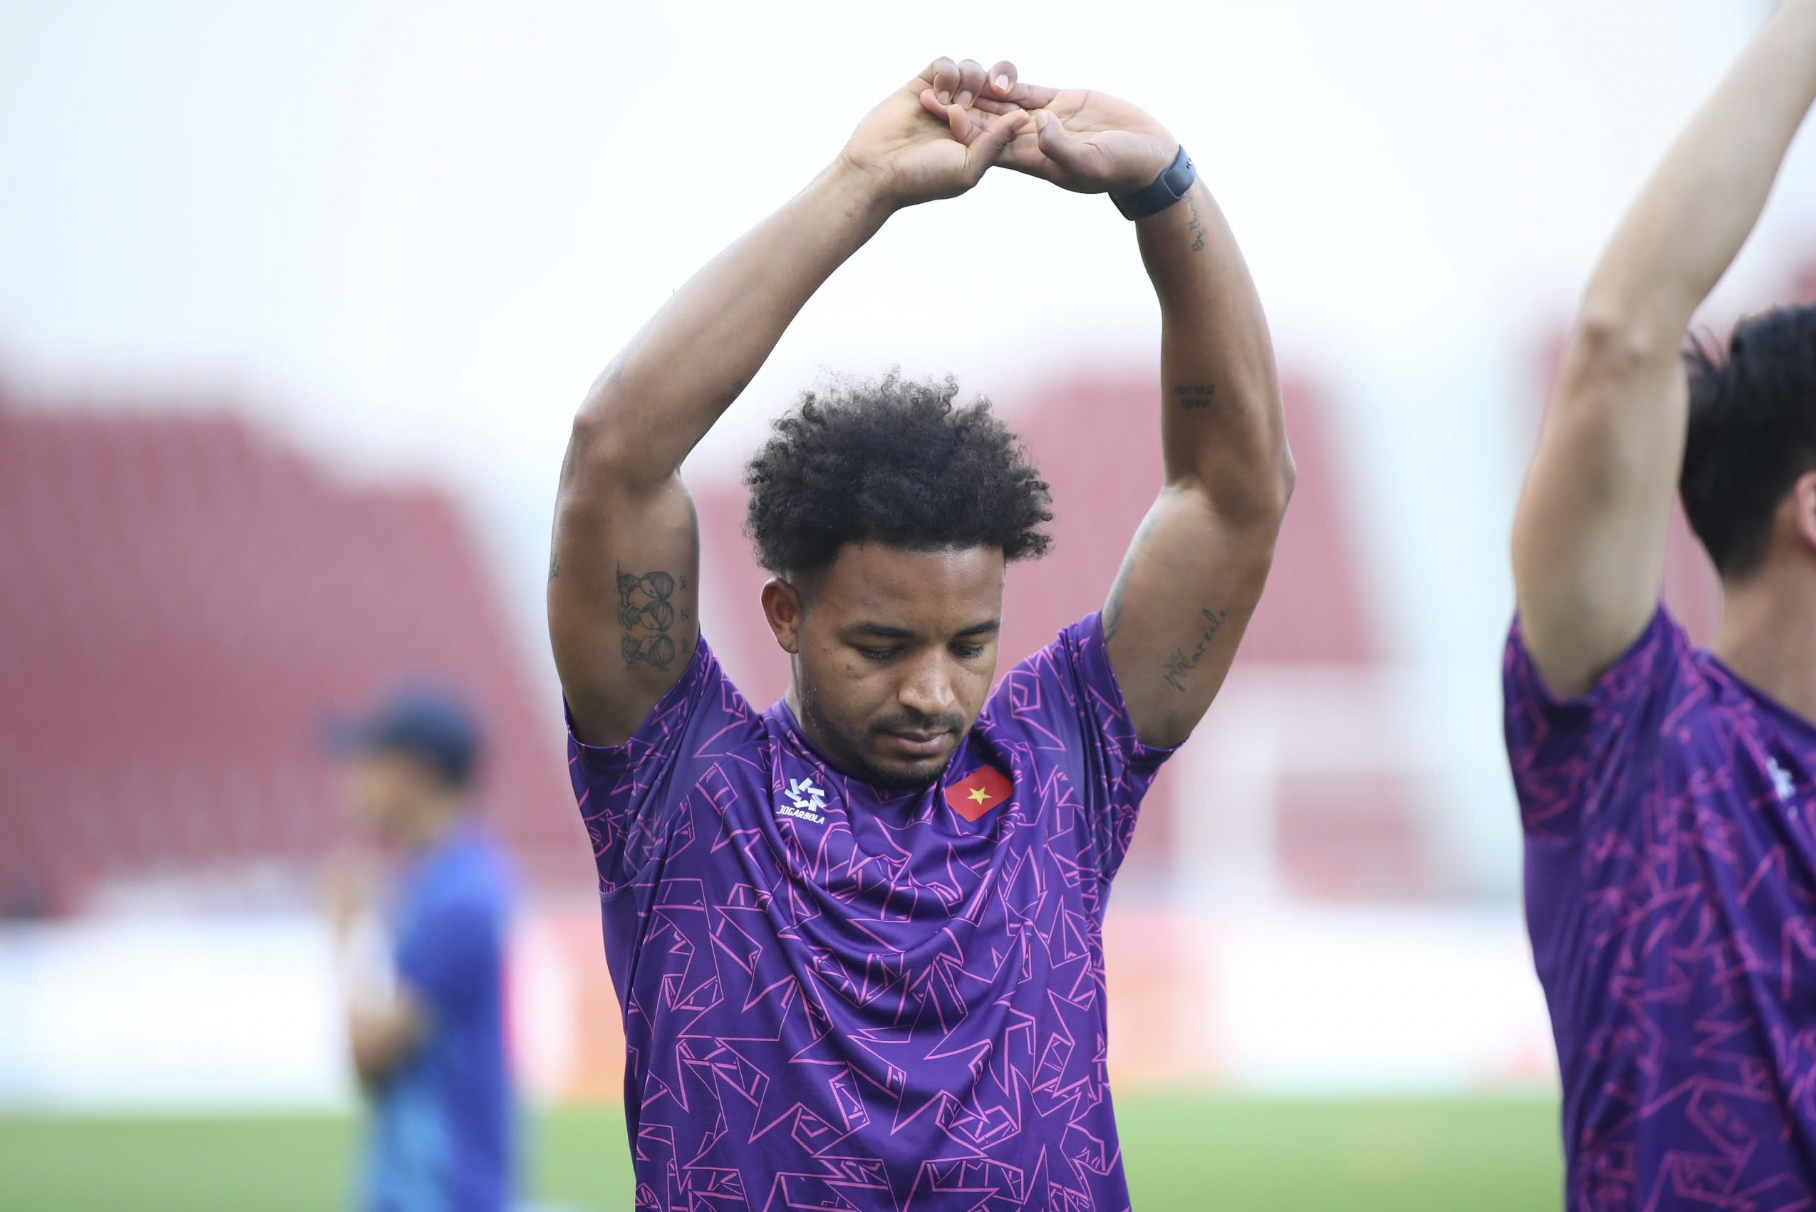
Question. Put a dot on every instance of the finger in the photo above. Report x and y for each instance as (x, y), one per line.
(1002, 79)
(990, 144)
(970, 82)
(960, 119)
(931, 104)
(942, 74)
(1029, 96)
(1058, 145)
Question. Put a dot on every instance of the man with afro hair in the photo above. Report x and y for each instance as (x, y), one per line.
(857, 937)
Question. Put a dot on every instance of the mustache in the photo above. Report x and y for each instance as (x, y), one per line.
(912, 722)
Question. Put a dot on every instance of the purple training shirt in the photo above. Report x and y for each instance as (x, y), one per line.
(840, 998)
(1671, 896)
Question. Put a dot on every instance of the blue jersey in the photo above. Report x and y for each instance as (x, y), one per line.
(837, 996)
(442, 1131)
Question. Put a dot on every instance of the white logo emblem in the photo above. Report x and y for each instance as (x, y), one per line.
(804, 801)
(1782, 781)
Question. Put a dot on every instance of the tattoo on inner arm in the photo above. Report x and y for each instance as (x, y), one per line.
(647, 613)
(1195, 227)
(1194, 395)
(554, 565)
(1180, 663)
(1111, 619)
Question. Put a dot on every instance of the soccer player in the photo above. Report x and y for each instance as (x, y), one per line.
(424, 973)
(1668, 794)
(858, 936)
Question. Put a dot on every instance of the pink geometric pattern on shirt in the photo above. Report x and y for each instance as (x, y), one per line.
(886, 1007)
(1670, 822)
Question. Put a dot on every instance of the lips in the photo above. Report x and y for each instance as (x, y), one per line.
(917, 744)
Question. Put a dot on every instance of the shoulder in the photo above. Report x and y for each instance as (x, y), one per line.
(702, 712)
(1582, 758)
(1066, 695)
(1660, 665)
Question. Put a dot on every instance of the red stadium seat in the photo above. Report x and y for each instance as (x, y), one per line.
(183, 602)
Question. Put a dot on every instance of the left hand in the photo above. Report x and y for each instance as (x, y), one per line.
(1077, 138)
(350, 887)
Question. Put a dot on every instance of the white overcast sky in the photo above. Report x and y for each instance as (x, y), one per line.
(408, 235)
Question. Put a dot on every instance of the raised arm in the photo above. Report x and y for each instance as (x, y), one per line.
(1589, 537)
(1195, 570)
(624, 570)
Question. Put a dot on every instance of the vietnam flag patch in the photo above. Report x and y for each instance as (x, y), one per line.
(978, 792)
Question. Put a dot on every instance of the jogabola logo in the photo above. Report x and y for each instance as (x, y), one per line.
(804, 801)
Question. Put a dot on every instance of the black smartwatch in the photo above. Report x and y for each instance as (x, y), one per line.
(1168, 188)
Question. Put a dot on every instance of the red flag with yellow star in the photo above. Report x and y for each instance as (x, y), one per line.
(978, 792)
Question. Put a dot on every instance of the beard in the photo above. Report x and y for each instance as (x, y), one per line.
(847, 749)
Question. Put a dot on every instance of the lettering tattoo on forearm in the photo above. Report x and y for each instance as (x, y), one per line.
(1180, 663)
(1194, 395)
(645, 609)
(1194, 226)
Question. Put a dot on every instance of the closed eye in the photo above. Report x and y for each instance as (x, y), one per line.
(967, 651)
(878, 654)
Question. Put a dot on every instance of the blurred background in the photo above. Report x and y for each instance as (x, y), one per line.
(296, 302)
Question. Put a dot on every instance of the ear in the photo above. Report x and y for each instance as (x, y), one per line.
(782, 607)
(1803, 507)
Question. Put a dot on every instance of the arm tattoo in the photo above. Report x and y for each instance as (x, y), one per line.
(554, 565)
(1196, 228)
(1112, 612)
(647, 614)
(1111, 619)
(1194, 395)
(1180, 664)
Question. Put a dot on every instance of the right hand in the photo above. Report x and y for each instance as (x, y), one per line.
(915, 157)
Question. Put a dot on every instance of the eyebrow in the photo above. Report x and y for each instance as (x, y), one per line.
(883, 631)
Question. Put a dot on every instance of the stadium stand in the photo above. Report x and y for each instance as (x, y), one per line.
(184, 603)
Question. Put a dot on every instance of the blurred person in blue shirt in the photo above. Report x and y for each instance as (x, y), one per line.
(422, 952)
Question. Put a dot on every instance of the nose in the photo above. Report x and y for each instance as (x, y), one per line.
(927, 689)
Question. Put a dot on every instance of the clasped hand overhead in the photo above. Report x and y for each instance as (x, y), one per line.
(938, 134)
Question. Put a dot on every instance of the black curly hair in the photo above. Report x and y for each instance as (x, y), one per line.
(1752, 432)
(891, 461)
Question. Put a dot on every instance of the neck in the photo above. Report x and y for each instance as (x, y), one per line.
(1768, 635)
(427, 831)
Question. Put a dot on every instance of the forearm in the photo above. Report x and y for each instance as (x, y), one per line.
(663, 392)
(1697, 210)
(1222, 427)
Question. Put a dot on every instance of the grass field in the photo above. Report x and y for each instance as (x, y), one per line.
(1185, 1152)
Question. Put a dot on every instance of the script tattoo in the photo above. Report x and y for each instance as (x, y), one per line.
(1196, 227)
(1179, 664)
(647, 614)
(1194, 395)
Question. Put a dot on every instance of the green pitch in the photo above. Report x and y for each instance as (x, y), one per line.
(1185, 1152)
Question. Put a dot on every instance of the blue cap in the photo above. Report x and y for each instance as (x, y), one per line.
(432, 725)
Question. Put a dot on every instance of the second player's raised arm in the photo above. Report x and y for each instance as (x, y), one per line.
(1589, 536)
(1195, 571)
(624, 570)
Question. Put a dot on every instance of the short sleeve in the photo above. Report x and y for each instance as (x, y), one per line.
(1063, 703)
(628, 794)
(1572, 758)
(451, 953)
